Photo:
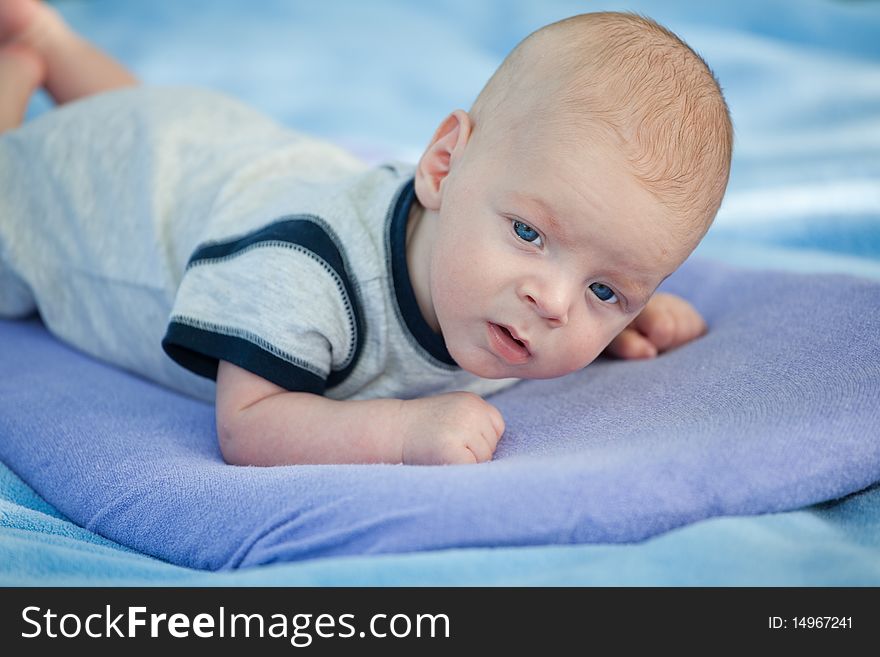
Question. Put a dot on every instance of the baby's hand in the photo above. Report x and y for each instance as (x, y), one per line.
(666, 322)
(457, 427)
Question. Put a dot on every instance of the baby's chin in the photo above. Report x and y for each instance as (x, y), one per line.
(484, 365)
(487, 366)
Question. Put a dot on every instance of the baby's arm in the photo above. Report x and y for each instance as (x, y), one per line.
(666, 322)
(260, 423)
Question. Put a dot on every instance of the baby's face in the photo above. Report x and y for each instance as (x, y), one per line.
(543, 255)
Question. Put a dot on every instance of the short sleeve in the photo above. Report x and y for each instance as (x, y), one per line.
(278, 302)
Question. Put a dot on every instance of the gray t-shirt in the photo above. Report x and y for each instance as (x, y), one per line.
(182, 218)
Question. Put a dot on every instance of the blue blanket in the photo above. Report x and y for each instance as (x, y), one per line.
(773, 410)
(768, 412)
(830, 544)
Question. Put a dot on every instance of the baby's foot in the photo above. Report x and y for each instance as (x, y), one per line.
(27, 21)
(16, 16)
(74, 68)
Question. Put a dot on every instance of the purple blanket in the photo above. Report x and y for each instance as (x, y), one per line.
(776, 408)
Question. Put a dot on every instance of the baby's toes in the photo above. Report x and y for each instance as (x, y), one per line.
(16, 17)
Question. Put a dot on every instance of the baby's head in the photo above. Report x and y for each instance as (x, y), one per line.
(587, 170)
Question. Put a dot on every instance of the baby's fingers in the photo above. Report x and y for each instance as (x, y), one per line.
(483, 444)
(632, 344)
(658, 324)
(481, 449)
(497, 421)
(669, 321)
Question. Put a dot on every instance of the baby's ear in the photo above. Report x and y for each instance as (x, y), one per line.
(439, 157)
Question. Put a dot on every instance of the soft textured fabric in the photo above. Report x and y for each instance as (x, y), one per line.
(832, 544)
(768, 412)
(145, 208)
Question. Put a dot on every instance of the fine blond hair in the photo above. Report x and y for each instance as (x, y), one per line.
(641, 85)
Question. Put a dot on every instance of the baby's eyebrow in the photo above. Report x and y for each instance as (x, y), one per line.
(638, 297)
(635, 289)
(641, 294)
(547, 212)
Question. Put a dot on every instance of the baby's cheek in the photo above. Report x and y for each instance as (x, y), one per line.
(575, 358)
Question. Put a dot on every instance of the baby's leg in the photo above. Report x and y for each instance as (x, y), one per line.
(74, 67)
(21, 73)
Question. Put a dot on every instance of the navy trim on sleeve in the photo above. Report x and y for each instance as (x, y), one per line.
(199, 351)
(199, 348)
(430, 341)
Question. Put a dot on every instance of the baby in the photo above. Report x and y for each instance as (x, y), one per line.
(351, 314)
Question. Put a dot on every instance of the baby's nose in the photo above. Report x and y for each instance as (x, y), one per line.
(553, 308)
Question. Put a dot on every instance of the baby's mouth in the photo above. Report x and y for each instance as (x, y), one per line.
(505, 345)
(517, 340)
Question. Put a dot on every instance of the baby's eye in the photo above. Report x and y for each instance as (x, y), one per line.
(527, 233)
(604, 292)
